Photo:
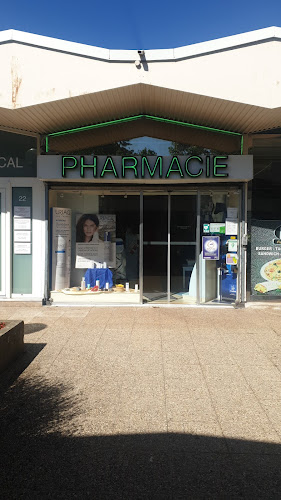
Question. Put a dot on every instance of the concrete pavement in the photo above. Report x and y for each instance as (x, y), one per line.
(147, 402)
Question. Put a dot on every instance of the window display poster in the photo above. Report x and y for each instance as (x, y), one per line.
(265, 258)
(211, 247)
(60, 247)
(231, 259)
(232, 245)
(95, 240)
(232, 213)
(231, 227)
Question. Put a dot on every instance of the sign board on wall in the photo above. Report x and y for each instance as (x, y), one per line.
(18, 166)
(195, 168)
(22, 220)
(60, 247)
(22, 240)
(266, 258)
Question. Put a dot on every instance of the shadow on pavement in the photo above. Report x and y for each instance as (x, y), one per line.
(10, 375)
(33, 327)
(44, 455)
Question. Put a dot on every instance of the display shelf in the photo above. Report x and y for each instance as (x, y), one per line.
(101, 298)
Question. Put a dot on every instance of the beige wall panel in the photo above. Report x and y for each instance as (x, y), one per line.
(32, 75)
(6, 75)
(251, 75)
(48, 75)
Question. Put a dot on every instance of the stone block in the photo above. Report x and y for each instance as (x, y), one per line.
(11, 342)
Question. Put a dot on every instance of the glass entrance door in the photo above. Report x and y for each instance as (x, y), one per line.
(155, 247)
(183, 248)
(169, 248)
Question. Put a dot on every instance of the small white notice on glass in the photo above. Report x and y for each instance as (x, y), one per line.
(22, 212)
(231, 226)
(22, 248)
(21, 223)
(232, 213)
(232, 245)
(22, 236)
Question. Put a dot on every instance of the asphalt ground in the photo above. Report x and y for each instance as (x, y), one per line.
(143, 403)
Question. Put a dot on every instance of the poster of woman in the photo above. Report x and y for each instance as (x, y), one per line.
(95, 240)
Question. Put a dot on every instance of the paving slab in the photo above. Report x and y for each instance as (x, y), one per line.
(143, 402)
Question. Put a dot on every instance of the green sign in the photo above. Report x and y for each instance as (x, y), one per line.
(143, 167)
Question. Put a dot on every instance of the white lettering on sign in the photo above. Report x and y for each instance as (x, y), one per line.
(9, 162)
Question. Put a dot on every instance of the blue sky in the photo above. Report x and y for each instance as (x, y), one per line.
(139, 25)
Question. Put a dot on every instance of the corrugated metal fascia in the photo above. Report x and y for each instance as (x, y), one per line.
(138, 99)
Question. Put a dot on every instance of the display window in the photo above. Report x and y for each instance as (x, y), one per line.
(94, 247)
(180, 247)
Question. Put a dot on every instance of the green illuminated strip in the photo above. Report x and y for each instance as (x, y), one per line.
(138, 117)
(242, 144)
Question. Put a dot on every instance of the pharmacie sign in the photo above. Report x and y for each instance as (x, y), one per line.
(146, 168)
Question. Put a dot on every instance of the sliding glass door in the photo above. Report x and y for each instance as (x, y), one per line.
(183, 248)
(169, 247)
(155, 247)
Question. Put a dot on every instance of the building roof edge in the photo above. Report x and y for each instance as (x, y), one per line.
(194, 50)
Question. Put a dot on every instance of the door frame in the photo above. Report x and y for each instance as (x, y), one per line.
(3, 243)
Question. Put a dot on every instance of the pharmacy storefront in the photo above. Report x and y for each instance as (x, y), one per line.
(145, 183)
(146, 229)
